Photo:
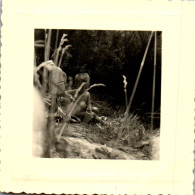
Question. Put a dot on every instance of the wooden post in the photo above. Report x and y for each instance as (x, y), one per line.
(138, 76)
(154, 82)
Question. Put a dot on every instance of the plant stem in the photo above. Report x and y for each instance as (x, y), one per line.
(138, 76)
(56, 43)
(60, 61)
(154, 82)
(126, 103)
(35, 57)
(47, 45)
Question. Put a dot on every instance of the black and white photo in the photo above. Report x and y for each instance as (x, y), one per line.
(100, 91)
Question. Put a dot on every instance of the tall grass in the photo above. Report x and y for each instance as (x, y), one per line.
(132, 137)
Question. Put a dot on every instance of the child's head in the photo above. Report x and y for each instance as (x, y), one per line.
(70, 80)
(82, 77)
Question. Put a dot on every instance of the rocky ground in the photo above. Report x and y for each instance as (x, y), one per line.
(116, 139)
(94, 141)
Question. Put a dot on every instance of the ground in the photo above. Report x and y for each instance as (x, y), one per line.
(112, 141)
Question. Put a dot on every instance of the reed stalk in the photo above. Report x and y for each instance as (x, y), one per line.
(154, 82)
(56, 43)
(57, 51)
(138, 77)
(47, 44)
(62, 54)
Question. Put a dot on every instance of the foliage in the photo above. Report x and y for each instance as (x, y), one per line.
(106, 56)
(110, 56)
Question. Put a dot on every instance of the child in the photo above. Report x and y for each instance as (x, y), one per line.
(83, 109)
(69, 83)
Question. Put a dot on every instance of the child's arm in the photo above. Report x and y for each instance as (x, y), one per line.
(70, 95)
(72, 92)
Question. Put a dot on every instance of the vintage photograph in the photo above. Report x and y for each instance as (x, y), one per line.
(97, 97)
(97, 94)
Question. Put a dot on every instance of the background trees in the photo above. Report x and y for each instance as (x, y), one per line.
(106, 56)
